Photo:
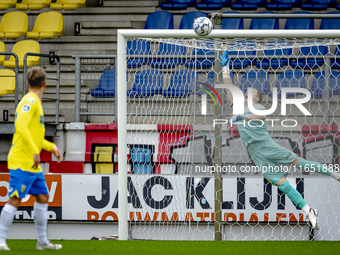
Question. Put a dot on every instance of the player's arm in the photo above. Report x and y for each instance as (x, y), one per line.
(225, 59)
(48, 146)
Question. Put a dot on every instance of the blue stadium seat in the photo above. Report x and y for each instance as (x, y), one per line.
(168, 62)
(330, 23)
(182, 84)
(202, 63)
(211, 4)
(141, 159)
(147, 83)
(258, 79)
(246, 4)
(335, 63)
(187, 20)
(290, 79)
(279, 48)
(137, 47)
(316, 5)
(300, 23)
(264, 23)
(244, 49)
(232, 23)
(302, 62)
(176, 4)
(159, 20)
(281, 5)
(106, 85)
(318, 84)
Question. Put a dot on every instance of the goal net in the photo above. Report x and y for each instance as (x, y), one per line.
(184, 174)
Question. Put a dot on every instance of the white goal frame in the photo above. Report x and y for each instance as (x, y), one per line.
(122, 36)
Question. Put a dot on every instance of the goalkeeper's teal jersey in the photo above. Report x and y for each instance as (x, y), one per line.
(255, 132)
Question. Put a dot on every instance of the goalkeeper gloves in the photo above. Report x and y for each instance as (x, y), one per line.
(225, 61)
(236, 118)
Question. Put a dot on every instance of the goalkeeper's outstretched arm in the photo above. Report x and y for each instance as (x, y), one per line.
(225, 59)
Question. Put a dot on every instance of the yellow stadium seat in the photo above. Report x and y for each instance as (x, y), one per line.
(47, 25)
(2, 49)
(7, 84)
(13, 25)
(32, 4)
(21, 48)
(67, 4)
(5, 4)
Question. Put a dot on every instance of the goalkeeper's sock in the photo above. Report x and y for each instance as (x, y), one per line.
(306, 209)
(40, 221)
(292, 194)
(6, 219)
(313, 166)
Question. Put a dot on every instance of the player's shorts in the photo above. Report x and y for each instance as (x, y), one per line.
(272, 159)
(22, 183)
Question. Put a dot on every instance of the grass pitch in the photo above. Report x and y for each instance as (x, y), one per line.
(85, 247)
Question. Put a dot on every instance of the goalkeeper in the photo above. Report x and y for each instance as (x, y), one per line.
(266, 153)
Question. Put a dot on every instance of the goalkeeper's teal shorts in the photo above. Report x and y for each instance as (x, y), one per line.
(272, 159)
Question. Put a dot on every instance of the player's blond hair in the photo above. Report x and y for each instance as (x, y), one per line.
(259, 94)
(36, 76)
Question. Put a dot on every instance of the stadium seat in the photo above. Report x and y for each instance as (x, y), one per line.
(243, 49)
(318, 84)
(5, 4)
(182, 84)
(147, 83)
(187, 20)
(47, 25)
(159, 20)
(232, 23)
(106, 85)
(141, 159)
(13, 25)
(330, 23)
(29, 5)
(280, 48)
(318, 50)
(168, 62)
(21, 48)
(246, 4)
(316, 5)
(264, 23)
(300, 23)
(258, 79)
(281, 5)
(67, 4)
(7, 82)
(290, 79)
(202, 63)
(2, 49)
(137, 47)
(176, 4)
(211, 4)
(335, 63)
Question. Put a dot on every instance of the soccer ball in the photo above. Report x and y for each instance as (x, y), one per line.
(202, 26)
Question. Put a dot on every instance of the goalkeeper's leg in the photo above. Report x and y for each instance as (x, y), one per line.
(306, 165)
(297, 199)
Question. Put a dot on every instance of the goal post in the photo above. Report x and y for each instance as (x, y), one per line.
(152, 126)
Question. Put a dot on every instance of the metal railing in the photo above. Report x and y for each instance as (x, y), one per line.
(95, 66)
(57, 79)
